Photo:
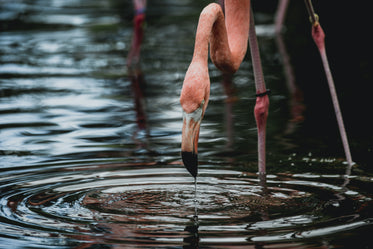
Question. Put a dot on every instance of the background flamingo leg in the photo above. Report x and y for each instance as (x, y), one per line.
(318, 36)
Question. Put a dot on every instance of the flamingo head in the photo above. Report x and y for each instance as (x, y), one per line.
(190, 135)
(193, 99)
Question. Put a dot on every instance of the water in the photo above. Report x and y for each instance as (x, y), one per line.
(90, 150)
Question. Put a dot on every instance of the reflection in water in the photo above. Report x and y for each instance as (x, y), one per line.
(318, 37)
(135, 73)
(138, 85)
(192, 241)
(296, 96)
(137, 205)
(83, 166)
(339, 201)
(296, 105)
(138, 88)
(133, 57)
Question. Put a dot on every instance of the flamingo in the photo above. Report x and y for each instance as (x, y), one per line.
(228, 36)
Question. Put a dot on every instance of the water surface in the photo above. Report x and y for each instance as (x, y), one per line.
(90, 149)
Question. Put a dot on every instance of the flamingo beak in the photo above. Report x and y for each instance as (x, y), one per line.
(189, 143)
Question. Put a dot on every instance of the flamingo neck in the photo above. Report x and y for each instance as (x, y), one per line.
(207, 18)
(227, 36)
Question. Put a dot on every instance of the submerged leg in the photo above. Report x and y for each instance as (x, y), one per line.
(261, 114)
(318, 36)
(262, 100)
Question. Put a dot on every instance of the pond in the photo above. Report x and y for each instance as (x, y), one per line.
(90, 148)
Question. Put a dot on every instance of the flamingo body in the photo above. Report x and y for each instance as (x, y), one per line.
(228, 37)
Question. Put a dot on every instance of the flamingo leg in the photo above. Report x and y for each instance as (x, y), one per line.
(138, 27)
(262, 100)
(318, 36)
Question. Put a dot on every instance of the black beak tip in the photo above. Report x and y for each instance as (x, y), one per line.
(190, 161)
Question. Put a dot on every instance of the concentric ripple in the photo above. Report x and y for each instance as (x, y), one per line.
(151, 205)
(89, 148)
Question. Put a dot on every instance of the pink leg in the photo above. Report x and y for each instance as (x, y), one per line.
(318, 36)
(138, 32)
(262, 100)
(261, 114)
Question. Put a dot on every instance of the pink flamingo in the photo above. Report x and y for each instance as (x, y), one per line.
(228, 37)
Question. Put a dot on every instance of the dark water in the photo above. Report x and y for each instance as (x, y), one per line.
(89, 149)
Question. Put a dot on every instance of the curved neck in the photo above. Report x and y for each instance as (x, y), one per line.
(227, 36)
(209, 15)
(237, 19)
